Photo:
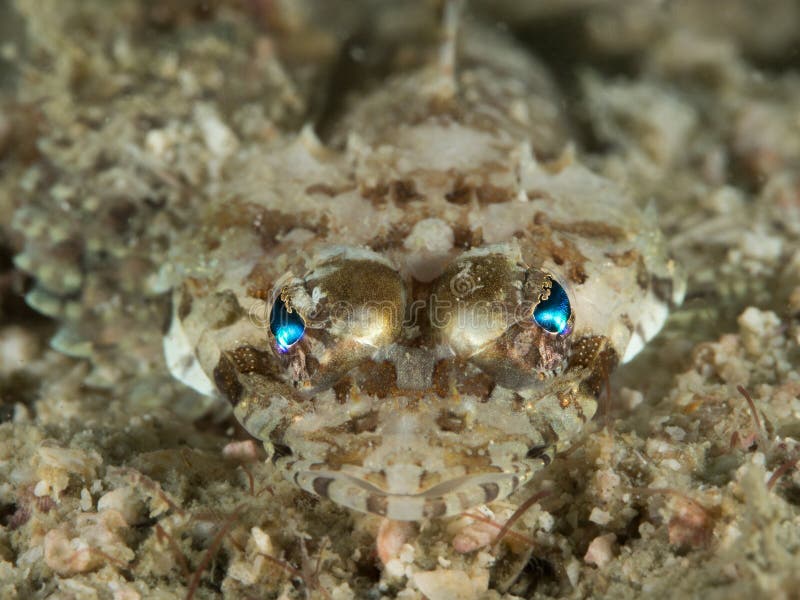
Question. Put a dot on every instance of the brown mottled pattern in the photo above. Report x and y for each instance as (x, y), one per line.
(248, 359)
(460, 194)
(624, 259)
(227, 380)
(400, 191)
(391, 238)
(584, 351)
(492, 194)
(267, 223)
(563, 250)
(466, 238)
(410, 416)
(404, 191)
(603, 362)
(342, 389)
(378, 379)
(367, 422)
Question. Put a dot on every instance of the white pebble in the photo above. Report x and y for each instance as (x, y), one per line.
(125, 501)
(86, 500)
(546, 522)
(599, 516)
(601, 550)
(17, 348)
(394, 568)
(218, 137)
(42, 488)
(573, 570)
(676, 433)
(262, 541)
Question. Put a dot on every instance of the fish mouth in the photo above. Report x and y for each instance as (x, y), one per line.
(446, 498)
(409, 465)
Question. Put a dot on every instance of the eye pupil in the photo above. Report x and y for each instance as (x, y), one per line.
(553, 313)
(287, 326)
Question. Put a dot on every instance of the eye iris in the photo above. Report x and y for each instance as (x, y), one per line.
(553, 313)
(287, 327)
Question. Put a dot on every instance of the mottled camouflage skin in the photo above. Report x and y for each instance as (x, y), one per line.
(443, 187)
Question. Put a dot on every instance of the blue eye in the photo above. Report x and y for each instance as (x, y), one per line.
(287, 326)
(553, 313)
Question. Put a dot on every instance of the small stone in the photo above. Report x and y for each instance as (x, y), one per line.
(473, 535)
(757, 327)
(573, 570)
(244, 451)
(601, 550)
(342, 592)
(262, 541)
(485, 559)
(546, 522)
(631, 398)
(394, 568)
(599, 516)
(608, 483)
(762, 246)
(449, 584)
(407, 553)
(42, 488)
(124, 500)
(218, 137)
(54, 466)
(646, 530)
(86, 500)
(676, 433)
(17, 348)
(690, 525)
(392, 538)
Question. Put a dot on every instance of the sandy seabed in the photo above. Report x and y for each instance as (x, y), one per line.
(117, 483)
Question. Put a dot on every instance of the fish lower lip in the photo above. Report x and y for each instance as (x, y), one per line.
(443, 499)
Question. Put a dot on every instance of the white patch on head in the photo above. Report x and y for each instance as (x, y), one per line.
(429, 246)
(182, 362)
(439, 147)
(499, 222)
